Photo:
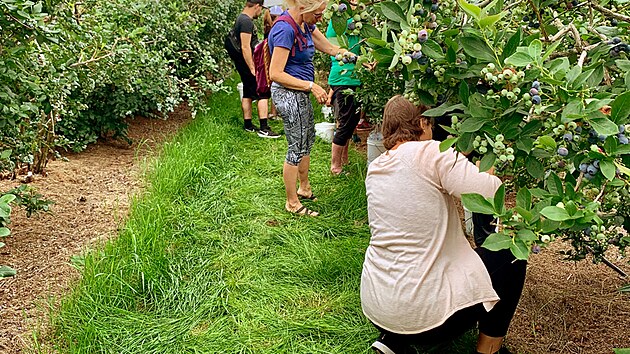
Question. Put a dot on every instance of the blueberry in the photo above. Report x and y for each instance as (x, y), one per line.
(562, 151)
(583, 167)
(616, 40)
(592, 133)
(525, 18)
(622, 128)
(623, 140)
(535, 25)
(352, 26)
(601, 137)
(434, 7)
(587, 231)
(567, 137)
(591, 170)
(531, 24)
(578, 130)
(416, 55)
(614, 22)
(533, 91)
(574, 3)
(342, 7)
(536, 99)
(535, 249)
(420, 12)
(429, 71)
(423, 60)
(596, 164)
(536, 85)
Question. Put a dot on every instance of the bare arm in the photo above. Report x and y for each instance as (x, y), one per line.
(277, 74)
(247, 51)
(323, 44)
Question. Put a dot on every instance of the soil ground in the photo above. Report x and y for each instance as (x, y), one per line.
(566, 307)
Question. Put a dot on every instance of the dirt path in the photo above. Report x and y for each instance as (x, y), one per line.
(91, 193)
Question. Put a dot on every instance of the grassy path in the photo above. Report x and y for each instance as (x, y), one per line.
(209, 262)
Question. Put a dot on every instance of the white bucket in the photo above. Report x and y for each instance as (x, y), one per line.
(325, 131)
(239, 87)
(375, 146)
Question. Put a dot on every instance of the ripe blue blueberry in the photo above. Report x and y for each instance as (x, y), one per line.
(591, 170)
(583, 167)
(562, 151)
(622, 128)
(623, 139)
(536, 84)
(535, 249)
(434, 7)
(567, 137)
(352, 26)
(342, 7)
(536, 99)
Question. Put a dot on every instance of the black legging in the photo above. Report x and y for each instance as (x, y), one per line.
(508, 277)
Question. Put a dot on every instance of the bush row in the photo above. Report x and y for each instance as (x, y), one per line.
(72, 72)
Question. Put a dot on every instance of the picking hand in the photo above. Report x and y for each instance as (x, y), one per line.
(319, 93)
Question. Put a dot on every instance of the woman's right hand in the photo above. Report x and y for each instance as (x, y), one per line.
(319, 93)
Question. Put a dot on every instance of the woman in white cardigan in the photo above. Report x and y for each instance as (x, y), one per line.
(422, 282)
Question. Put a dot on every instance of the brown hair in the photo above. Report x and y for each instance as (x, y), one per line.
(267, 22)
(401, 121)
(252, 3)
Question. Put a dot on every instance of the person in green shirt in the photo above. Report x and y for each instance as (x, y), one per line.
(343, 82)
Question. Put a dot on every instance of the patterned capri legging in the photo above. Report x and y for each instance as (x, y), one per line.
(296, 111)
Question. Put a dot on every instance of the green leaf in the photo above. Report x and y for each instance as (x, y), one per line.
(6, 272)
(573, 110)
(524, 199)
(623, 64)
(555, 213)
(4, 232)
(444, 145)
(442, 109)
(623, 169)
(473, 11)
(339, 24)
(393, 11)
(369, 31)
(477, 203)
(526, 235)
(478, 48)
(7, 198)
(550, 50)
(608, 169)
(573, 74)
(472, 124)
(491, 20)
(512, 44)
(534, 167)
(433, 50)
(554, 185)
(519, 250)
(520, 59)
(620, 108)
(547, 141)
(487, 162)
(497, 241)
(622, 350)
(604, 126)
(535, 48)
(464, 92)
(499, 200)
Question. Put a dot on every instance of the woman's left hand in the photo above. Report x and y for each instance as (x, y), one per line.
(319, 93)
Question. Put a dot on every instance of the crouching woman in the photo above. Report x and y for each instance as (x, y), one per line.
(422, 283)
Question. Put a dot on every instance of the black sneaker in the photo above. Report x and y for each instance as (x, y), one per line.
(252, 129)
(268, 133)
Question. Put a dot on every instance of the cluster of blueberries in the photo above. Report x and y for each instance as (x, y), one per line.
(589, 169)
(535, 92)
(531, 22)
(618, 46)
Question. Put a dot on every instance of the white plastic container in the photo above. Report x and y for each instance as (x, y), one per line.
(327, 112)
(239, 87)
(325, 131)
(375, 146)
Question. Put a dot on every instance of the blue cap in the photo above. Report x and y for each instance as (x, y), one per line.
(275, 10)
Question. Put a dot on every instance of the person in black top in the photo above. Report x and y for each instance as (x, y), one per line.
(240, 44)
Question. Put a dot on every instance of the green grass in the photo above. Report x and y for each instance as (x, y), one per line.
(209, 261)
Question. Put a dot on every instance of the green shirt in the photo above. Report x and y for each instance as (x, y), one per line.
(343, 75)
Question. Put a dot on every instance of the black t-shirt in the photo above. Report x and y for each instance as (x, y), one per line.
(244, 24)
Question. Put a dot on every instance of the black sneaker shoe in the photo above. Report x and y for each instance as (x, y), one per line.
(268, 133)
(252, 129)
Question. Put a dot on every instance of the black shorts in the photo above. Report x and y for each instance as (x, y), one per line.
(347, 113)
(247, 78)
(508, 278)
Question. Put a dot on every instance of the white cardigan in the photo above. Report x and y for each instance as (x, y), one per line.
(419, 268)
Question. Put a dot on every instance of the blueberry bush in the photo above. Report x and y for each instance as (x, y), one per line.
(71, 72)
(538, 89)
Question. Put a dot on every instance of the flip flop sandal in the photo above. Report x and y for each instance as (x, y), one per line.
(303, 210)
(312, 197)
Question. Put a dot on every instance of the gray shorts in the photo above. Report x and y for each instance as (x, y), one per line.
(298, 119)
